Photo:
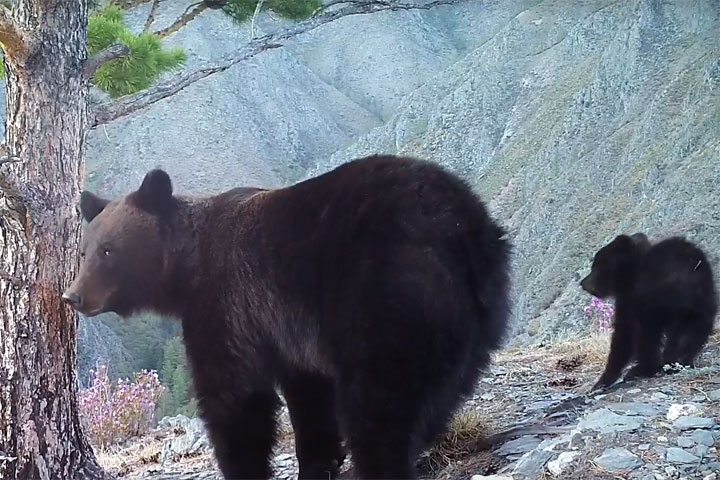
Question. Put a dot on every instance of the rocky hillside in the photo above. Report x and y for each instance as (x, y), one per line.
(577, 121)
(574, 120)
(531, 418)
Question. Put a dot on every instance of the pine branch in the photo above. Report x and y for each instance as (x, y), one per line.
(113, 52)
(15, 42)
(185, 18)
(107, 112)
(258, 7)
(151, 16)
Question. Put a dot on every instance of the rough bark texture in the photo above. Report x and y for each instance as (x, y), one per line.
(40, 432)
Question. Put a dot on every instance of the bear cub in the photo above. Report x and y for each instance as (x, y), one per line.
(664, 294)
(371, 296)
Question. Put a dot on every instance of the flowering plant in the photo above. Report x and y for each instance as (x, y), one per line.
(114, 413)
(602, 314)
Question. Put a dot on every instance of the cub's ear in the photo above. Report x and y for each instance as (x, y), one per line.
(622, 240)
(640, 239)
(91, 205)
(155, 193)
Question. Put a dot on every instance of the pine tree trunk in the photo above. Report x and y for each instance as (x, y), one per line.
(40, 432)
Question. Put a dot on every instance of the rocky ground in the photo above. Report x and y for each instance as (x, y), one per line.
(531, 418)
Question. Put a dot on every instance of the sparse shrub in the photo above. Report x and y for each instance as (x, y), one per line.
(602, 314)
(113, 413)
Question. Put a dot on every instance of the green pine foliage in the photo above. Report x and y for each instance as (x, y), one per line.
(145, 64)
(242, 10)
(132, 74)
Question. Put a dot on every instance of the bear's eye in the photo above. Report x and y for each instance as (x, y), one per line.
(106, 252)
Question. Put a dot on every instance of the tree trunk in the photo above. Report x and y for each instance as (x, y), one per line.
(40, 432)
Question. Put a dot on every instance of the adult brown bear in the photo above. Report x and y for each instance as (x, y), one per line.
(371, 295)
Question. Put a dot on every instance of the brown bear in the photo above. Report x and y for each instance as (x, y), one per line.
(371, 295)
(664, 292)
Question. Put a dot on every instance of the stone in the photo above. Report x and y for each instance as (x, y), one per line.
(643, 446)
(671, 471)
(701, 450)
(710, 476)
(678, 455)
(617, 459)
(557, 466)
(633, 391)
(658, 396)
(662, 439)
(606, 421)
(518, 446)
(714, 395)
(659, 449)
(634, 408)
(703, 437)
(193, 440)
(677, 410)
(576, 441)
(491, 477)
(691, 422)
(531, 464)
(685, 442)
(540, 405)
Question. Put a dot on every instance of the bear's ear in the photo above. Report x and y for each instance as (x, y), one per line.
(91, 205)
(640, 239)
(155, 193)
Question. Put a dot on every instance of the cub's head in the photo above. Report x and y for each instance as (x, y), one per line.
(126, 251)
(611, 262)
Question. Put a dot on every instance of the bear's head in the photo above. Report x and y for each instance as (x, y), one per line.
(611, 264)
(127, 251)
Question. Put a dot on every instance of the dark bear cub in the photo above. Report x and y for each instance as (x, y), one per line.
(372, 296)
(664, 293)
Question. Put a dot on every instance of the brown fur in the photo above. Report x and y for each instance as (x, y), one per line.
(371, 295)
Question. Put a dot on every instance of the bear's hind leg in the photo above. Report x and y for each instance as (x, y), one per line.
(380, 423)
(692, 341)
(243, 435)
(671, 350)
(311, 401)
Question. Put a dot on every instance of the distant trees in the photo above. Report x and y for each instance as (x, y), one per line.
(178, 397)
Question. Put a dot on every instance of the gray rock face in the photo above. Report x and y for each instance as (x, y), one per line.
(577, 121)
(689, 422)
(97, 345)
(605, 421)
(617, 459)
(703, 437)
(531, 464)
(193, 440)
(678, 455)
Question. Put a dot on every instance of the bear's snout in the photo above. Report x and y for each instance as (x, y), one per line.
(588, 285)
(73, 299)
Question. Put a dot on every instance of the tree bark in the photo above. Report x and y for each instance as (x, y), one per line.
(40, 432)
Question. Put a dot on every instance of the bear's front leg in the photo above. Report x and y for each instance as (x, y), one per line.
(311, 402)
(621, 351)
(243, 432)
